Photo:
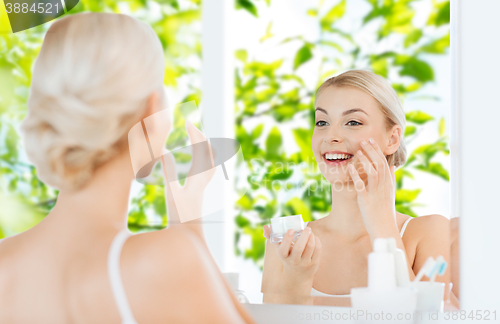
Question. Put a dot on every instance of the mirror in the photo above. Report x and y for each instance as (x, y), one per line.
(280, 65)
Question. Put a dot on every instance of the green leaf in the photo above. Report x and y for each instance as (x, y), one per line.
(296, 206)
(245, 202)
(268, 33)
(418, 117)
(181, 157)
(413, 37)
(17, 214)
(380, 67)
(284, 112)
(303, 55)
(437, 46)
(269, 210)
(333, 15)
(273, 143)
(284, 174)
(11, 141)
(293, 77)
(260, 69)
(410, 130)
(257, 131)
(441, 126)
(258, 243)
(406, 195)
(427, 151)
(242, 55)
(312, 12)
(440, 15)
(241, 221)
(303, 138)
(405, 209)
(331, 44)
(413, 67)
(436, 169)
(248, 6)
(400, 174)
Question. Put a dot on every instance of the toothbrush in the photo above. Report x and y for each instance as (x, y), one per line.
(426, 269)
(440, 268)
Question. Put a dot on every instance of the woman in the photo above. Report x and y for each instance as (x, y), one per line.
(357, 143)
(97, 75)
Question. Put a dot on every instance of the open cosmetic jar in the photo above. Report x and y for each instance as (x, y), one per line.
(280, 225)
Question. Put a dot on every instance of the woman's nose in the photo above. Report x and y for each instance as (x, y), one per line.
(333, 137)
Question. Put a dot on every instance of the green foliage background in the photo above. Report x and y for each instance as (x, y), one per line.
(262, 88)
(24, 199)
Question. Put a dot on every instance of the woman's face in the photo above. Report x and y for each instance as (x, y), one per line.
(346, 116)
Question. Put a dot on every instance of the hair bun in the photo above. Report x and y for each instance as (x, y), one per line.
(85, 98)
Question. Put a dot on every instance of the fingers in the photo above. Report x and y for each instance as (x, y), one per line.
(317, 250)
(359, 185)
(373, 147)
(372, 150)
(168, 166)
(202, 162)
(195, 135)
(267, 231)
(285, 245)
(309, 250)
(300, 245)
(369, 170)
(169, 170)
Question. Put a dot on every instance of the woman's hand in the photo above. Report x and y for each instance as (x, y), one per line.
(376, 198)
(185, 203)
(300, 260)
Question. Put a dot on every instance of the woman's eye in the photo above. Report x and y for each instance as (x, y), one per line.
(353, 121)
(321, 121)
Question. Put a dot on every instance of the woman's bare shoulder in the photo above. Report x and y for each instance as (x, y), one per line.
(166, 255)
(428, 226)
(430, 221)
(169, 271)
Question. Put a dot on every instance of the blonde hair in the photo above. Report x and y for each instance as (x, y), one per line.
(91, 83)
(380, 89)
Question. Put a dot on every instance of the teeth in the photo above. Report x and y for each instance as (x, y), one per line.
(337, 156)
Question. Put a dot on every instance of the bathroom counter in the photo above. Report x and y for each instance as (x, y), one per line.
(325, 310)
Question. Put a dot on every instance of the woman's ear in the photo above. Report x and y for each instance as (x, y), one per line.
(152, 105)
(393, 140)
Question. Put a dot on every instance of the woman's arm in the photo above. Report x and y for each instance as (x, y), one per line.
(455, 255)
(272, 268)
(289, 271)
(434, 240)
(185, 204)
(272, 283)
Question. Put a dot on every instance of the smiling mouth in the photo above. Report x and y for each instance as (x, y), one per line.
(337, 157)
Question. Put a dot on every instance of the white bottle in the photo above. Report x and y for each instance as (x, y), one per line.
(401, 266)
(381, 269)
(382, 293)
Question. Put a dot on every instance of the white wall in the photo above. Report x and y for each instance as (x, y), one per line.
(216, 106)
(475, 179)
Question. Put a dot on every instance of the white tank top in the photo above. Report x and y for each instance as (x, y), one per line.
(315, 292)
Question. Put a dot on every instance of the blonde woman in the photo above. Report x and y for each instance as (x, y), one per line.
(357, 143)
(97, 75)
